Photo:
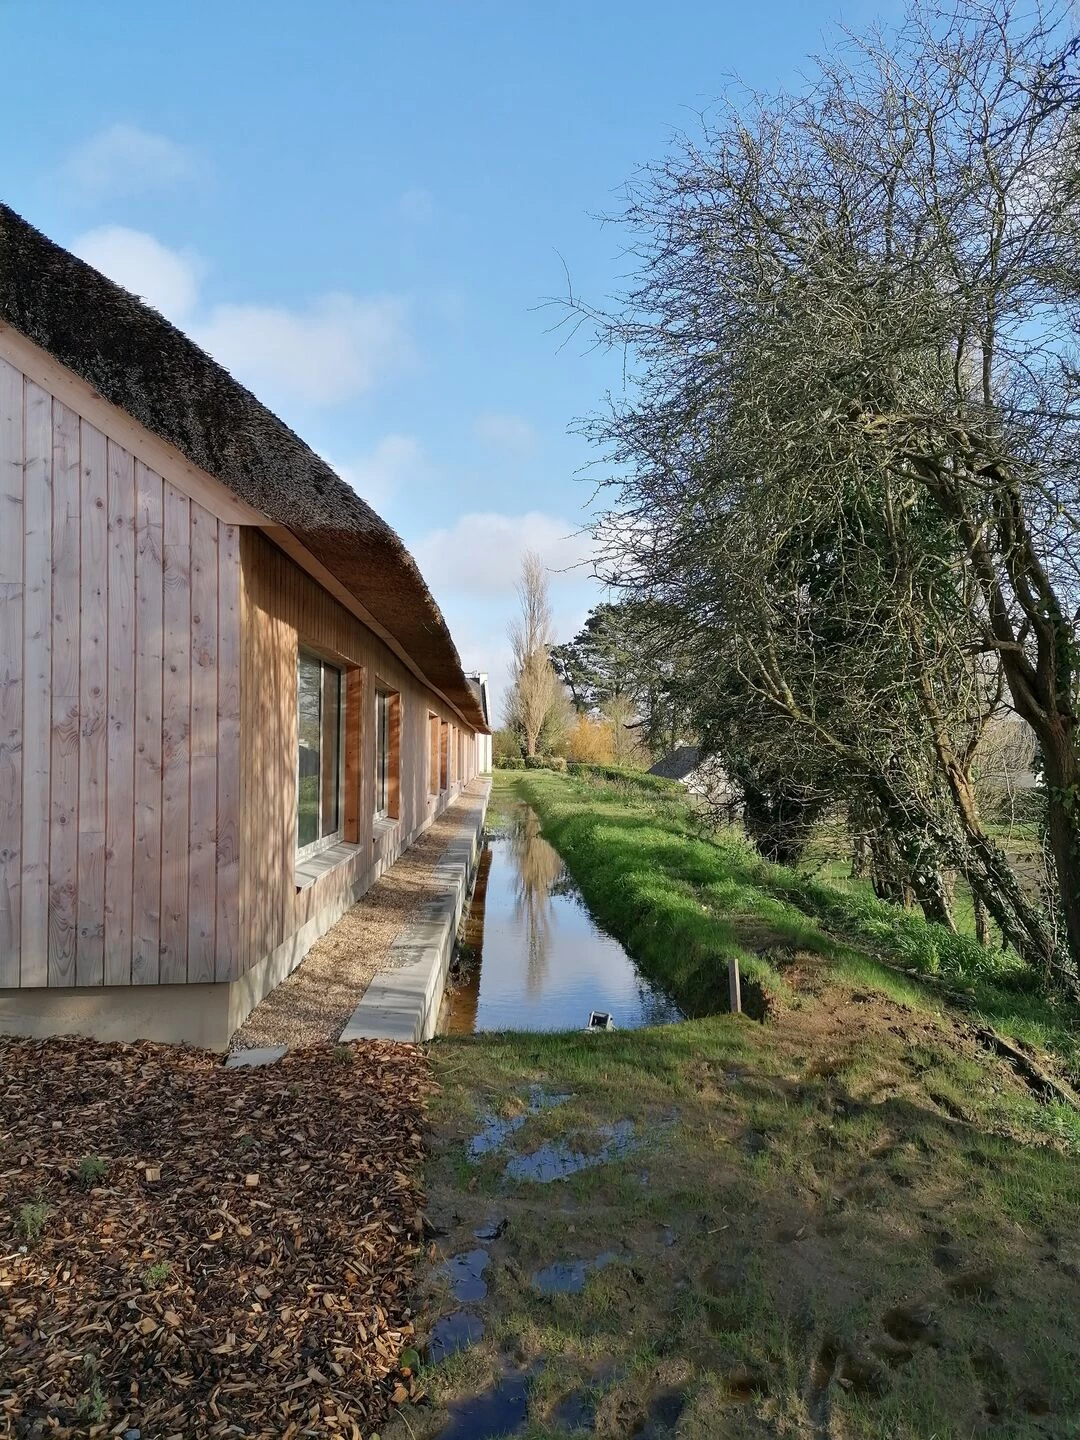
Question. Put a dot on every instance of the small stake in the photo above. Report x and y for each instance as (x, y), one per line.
(734, 985)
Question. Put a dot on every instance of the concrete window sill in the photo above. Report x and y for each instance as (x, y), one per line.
(314, 867)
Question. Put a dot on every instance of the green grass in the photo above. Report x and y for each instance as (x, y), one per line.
(816, 1173)
(855, 1165)
(154, 1276)
(684, 902)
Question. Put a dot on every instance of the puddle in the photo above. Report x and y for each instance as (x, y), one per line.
(567, 1277)
(575, 1412)
(555, 1160)
(453, 1333)
(665, 1409)
(466, 1275)
(497, 1130)
(492, 1229)
(499, 1411)
(541, 961)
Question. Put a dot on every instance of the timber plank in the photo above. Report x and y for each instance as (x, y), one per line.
(175, 737)
(37, 679)
(11, 669)
(64, 738)
(227, 923)
(93, 685)
(202, 862)
(146, 883)
(119, 833)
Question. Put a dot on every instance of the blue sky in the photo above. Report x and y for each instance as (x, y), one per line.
(359, 208)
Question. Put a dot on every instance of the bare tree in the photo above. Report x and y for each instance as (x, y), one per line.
(535, 688)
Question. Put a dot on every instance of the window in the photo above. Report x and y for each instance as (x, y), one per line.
(387, 753)
(433, 754)
(320, 697)
(444, 755)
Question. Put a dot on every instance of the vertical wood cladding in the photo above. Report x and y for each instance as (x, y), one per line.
(148, 744)
(119, 598)
(282, 609)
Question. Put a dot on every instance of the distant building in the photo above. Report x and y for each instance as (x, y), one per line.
(701, 776)
(478, 684)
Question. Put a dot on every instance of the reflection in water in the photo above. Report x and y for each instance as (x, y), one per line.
(538, 869)
(542, 963)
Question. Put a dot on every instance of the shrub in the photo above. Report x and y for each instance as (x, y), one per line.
(558, 764)
(91, 1170)
(534, 762)
(31, 1219)
(92, 1407)
(512, 762)
(591, 741)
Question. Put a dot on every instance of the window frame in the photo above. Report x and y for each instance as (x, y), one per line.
(383, 700)
(336, 837)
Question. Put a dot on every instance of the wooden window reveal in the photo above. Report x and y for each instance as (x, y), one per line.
(387, 755)
(354, 701)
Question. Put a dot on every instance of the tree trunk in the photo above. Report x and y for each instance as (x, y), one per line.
(1063, 830)
(982, 925)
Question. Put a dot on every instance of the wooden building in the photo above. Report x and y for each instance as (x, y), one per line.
(228, 700)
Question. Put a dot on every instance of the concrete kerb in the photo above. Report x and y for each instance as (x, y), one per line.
(403, 1002)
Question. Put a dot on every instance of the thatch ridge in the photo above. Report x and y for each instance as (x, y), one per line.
(143, 364)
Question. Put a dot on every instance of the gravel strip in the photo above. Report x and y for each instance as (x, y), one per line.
(311, 1006)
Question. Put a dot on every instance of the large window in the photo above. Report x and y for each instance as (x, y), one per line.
(320, 699)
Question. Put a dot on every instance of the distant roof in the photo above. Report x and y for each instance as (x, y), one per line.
(678, 763)
(138, 361)
(478, 683)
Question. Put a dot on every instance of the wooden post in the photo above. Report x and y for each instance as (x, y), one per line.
(734, 985)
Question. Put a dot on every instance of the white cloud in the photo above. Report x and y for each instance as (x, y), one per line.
(473, 566)
(503, 431)
(396, 461)
(336, 347)
(481, 553)
(123, 160)
(167, 279)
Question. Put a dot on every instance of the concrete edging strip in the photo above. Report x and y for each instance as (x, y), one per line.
(403, 1002)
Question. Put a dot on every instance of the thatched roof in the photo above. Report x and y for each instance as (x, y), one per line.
(141, 363)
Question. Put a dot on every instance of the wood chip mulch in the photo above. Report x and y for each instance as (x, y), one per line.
(241, 1265)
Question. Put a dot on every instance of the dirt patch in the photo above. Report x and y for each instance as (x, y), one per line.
(186, 1249)
(312, 1005)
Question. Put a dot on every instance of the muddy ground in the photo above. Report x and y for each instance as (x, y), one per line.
(850, 1221)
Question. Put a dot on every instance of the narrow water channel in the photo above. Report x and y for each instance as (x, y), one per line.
(541, 961)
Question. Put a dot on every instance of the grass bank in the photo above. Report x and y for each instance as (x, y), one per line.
(684, 901)
(850, 1221)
